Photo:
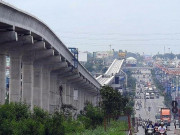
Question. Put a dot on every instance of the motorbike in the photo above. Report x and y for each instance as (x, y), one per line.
(163, 132)
(144, 124)
(140, 123)
(150, 131)
(156, 132)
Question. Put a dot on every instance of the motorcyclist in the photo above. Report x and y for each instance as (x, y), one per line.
(150, 125)
(162, 128)
(156, 126)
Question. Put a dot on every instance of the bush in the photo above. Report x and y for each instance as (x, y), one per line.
(10, 114)
(73, 126)
(16, 119)
(28, 127)
(91, 116)
(86, 121)
(14, 111)
(40, 115)
(54, 125)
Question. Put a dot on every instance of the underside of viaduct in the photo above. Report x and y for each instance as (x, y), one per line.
(42, 69)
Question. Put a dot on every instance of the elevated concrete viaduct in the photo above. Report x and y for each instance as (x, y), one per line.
(42, 69)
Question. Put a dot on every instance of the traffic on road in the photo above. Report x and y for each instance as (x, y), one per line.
(152, 116)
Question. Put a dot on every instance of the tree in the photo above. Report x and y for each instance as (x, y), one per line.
(113, 103)
(91, 116)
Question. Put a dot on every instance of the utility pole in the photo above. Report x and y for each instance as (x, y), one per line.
(110, 47)
(169, 50)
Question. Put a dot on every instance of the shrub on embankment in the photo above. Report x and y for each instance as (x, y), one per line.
(17, 119)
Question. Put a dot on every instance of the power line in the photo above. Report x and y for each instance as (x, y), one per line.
(114, 33)
(117, 39)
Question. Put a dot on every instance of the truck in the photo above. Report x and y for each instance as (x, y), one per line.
(166, 115)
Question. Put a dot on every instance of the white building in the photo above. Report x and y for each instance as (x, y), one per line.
(82, 56)
(131, 60)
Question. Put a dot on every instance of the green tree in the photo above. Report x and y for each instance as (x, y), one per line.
(91, 116)
(112, 101)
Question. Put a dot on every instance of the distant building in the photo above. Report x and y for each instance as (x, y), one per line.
(103, 54)
(82, 56)
(131, 62)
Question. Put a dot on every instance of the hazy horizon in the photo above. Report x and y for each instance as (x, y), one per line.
(91, 25)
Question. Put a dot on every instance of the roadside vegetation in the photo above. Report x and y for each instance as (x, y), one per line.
(115, 129)
(158, 85)
(161, 88)
(17, 119)
(131, 81)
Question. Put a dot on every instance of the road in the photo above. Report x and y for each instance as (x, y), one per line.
(149, 106)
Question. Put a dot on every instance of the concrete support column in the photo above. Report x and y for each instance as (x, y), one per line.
(27, 82)
(58, 98)
(68, 89)
(79, 100)
(89, 95)
(95, 100)
(56, 93)
(82, 99)
(45, 88)
(71, 95)
(90, 98)
(37, 85)
(15, 78)
(53, 92)
(2, 78)
(85, 98)
(64, 93)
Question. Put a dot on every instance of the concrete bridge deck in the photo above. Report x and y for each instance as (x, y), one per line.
(41, 66)
(114, 68)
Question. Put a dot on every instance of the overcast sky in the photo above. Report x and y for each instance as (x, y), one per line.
(92, 25)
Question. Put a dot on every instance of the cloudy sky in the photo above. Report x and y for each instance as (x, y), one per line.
(92, 25)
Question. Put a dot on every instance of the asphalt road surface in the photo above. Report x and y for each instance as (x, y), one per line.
(149, 106)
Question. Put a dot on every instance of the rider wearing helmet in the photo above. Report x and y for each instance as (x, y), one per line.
(156, 125)
(150, 125)
(162, 128)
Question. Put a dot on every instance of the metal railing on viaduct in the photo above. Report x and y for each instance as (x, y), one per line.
(41, 66)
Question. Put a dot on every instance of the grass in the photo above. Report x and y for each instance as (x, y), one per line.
(114, 128)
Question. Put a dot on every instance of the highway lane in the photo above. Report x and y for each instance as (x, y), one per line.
(154, 104)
